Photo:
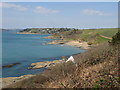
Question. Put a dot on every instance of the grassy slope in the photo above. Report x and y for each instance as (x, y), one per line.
(89, 35)
(109, 32)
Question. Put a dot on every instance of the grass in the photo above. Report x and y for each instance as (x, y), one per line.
(109, 32)
(89, 35)
(101, 40)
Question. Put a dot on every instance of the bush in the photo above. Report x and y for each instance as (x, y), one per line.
(89, 43)
(116, 39)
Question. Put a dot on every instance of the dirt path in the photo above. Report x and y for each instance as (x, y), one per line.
(105, 37)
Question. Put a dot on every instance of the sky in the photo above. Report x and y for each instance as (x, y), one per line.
(59, 15)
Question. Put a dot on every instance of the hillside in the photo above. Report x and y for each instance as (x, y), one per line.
(44, 30)
(92, 36)
(96, 68)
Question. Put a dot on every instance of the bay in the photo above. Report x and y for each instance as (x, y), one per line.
(27, 49)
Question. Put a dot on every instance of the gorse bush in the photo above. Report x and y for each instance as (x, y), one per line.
(116, 39)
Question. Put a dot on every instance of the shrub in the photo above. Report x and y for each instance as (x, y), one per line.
(116, 39)
(89, 43)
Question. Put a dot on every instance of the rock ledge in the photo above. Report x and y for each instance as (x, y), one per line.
(47, 64)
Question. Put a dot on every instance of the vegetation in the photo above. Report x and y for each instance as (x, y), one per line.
(116, 39)
(96, 68)
(46, 30)
(93, 36)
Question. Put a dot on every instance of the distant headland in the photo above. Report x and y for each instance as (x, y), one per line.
(44, 30)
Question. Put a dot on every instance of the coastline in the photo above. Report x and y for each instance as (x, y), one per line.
(75, 43)
(44, 64)
(37, 65)
(11, 80)
(82, 44)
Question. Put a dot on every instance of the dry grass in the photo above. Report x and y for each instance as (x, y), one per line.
(97, 68)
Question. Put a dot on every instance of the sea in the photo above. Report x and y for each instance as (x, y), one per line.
(30, 48)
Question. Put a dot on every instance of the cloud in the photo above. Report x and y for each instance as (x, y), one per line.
(94, 12)
(43, 10)
(8, 5)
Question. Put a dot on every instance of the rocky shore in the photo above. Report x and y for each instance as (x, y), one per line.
(10, 65)
(77, 44)
(44, 64)
(11, 80)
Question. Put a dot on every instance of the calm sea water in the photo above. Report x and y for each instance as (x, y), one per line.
(27, 49)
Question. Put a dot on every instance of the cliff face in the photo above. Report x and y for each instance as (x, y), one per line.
(46, 30)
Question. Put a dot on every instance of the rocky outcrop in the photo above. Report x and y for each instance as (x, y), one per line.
(58, 42)
(11, 80)
(10, 65)
(49, 37)
(77, 44)
(47, 64)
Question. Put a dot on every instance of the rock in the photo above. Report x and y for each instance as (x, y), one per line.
(57, 42)
(49, 37)
(10, 65)
(47, 64)
(77, 44)
(10, 80)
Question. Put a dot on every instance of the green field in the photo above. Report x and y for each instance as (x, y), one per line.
(89, 35)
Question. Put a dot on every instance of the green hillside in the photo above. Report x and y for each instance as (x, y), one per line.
(94, 36)
(108, 32)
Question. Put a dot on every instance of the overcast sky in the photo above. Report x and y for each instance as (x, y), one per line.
(59, 14)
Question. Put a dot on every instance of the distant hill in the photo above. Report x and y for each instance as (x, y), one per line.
(10, 29)
(45, 30)
(4, 29)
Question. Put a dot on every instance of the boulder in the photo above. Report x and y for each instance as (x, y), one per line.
(44, 64)
(10, 65)
(11, 80)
